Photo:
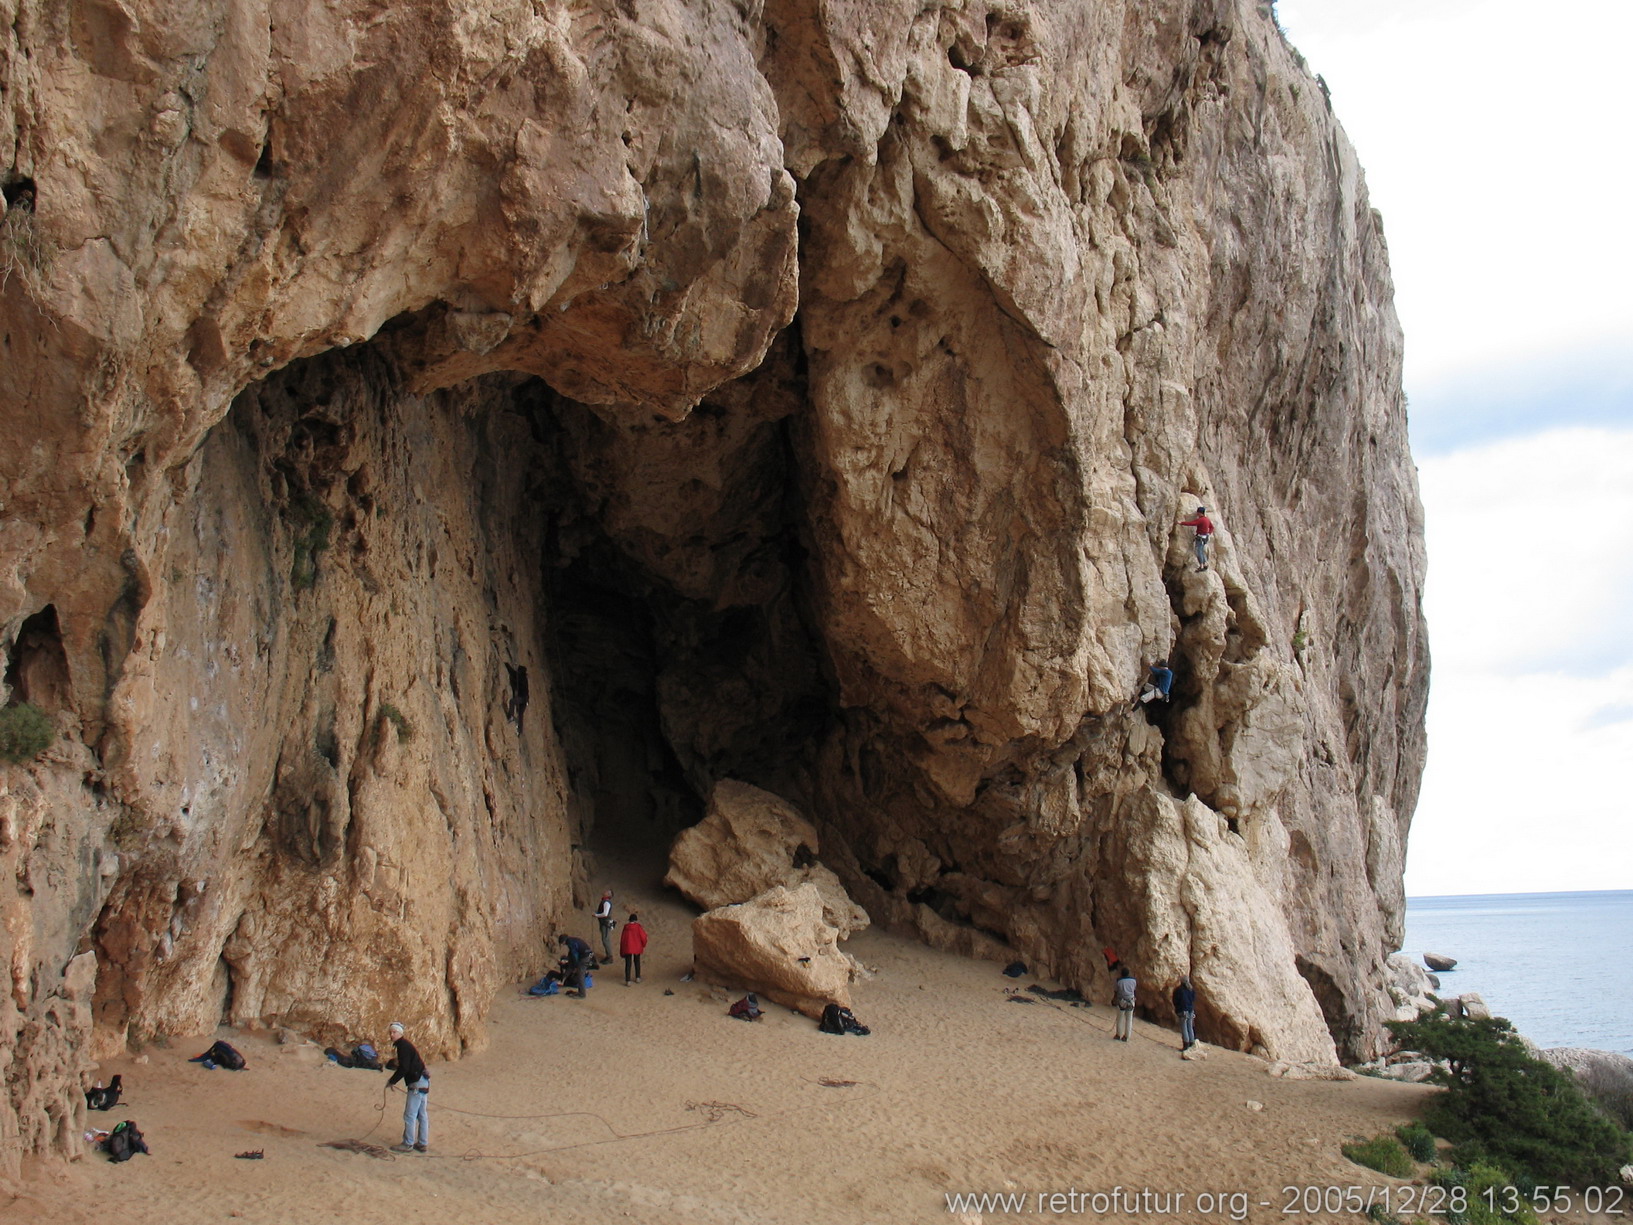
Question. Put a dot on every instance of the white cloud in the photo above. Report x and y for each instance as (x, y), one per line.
(1530, 552)
(1493, 133)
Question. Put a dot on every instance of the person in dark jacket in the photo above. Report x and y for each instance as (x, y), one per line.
(632, 943)
(410, 1069)
(605, 921)
(1185, 1008)
(580, 957)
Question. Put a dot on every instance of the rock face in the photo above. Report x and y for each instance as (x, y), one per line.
(439, 438)
(777, 944)
(750, 841)
(1471, 1005)
(1411, 987)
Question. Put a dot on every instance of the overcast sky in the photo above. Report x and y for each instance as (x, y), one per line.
(1495, 136)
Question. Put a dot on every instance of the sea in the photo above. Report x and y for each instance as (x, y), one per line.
(1557, 965)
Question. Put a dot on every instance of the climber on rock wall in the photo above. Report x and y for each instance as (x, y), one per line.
(1204, 533)
(1159, 682)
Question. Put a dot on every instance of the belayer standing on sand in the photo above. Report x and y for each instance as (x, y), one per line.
(1185, 1008)
(632, 943)
(417, 1083)
(1123, 997)
(604, 919)
(1204, 533)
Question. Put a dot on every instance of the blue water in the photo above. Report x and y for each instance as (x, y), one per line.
(1555, 964)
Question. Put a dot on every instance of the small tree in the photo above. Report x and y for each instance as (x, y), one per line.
(1500, 1101)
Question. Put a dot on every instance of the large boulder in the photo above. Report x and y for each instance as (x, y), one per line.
(1439, 961)
(1604, 1076)
(1471, 1005)
(749, 841)
(1412, 1071)
(1410, 987)
(778, 944)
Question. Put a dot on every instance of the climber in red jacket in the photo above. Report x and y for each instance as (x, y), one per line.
(632, 943)
(1204, 533)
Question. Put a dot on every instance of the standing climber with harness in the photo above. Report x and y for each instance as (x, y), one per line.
(417, 1081)
(1204, 533)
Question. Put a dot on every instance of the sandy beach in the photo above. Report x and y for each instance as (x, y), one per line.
(637, 1105)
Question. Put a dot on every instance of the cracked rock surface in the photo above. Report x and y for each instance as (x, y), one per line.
(442, 442)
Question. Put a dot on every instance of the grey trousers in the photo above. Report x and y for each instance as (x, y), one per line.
(416, 1124)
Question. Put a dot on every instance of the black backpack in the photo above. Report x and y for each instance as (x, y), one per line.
(224, 1055)
(105, 1099)
(840, 1020)
(124, 1142)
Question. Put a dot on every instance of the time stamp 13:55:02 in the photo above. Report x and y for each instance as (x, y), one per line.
(1438, 1200)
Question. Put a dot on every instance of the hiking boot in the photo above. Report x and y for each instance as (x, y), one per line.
(419, 1148)
(402, 1148)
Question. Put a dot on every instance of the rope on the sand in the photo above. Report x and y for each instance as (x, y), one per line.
(832, 1082)
(357, 1146)
(714, 1114)
(1077, 1014)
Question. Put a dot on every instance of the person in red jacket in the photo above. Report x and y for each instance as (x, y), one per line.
(1204, 533)
(632, 944)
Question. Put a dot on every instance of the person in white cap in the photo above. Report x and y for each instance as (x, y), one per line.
(417, 1081)
(603, 917)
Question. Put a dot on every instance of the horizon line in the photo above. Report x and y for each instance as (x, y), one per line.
(1431, 897)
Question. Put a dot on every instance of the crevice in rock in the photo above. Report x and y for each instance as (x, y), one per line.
(38, 667)
(19, 192)
(1347, 1034)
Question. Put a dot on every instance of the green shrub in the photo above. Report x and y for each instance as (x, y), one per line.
(1381, 1153)
(1418, 1140)
(25, 733)
(1519, 1113)
(398, 720)
(1491, 1196)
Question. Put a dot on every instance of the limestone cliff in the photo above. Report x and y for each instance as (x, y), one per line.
(418, 478)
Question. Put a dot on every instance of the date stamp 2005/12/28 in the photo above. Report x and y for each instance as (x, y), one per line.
(1317, 1201)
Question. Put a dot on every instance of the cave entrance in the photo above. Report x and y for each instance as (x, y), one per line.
(629, 794)
(679, 641)
(482, 629)
(38, 671)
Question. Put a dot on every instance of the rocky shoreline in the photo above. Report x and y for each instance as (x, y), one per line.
(1605, 1076)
